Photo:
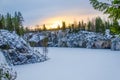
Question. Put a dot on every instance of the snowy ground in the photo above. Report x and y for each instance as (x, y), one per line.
(74, 64)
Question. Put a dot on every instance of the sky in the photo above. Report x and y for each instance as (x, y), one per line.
(50, 11)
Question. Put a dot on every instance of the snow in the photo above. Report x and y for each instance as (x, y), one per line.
(6, 71)
(74, 64)
(16, 50)
(36, 38)
(2, 59)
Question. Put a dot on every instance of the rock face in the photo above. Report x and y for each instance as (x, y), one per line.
(16, 58)
(83, 39)
(16, 50)
(100, 41)
(115, 44)
(6, 72)
(34, 39)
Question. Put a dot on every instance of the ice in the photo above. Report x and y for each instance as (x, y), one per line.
(74, 64)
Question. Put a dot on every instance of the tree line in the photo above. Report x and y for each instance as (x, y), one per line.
(12, 23)
(95, 25)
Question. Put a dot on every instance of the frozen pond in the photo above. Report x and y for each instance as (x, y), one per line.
(74, 64)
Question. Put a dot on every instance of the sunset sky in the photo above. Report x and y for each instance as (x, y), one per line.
(50, 11)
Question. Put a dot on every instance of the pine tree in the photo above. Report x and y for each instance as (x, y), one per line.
(15, 21)
(89, 25)
(22, 30)
(20, 19)
(73, 27)
(98, 24)
(82, 25)
(115, 28)
(1, 25)
(9, 25)
(100, 27)
(79, 25)
(3, 22)
(44, 27)
(63, 26)
(69, 26)
(112, 7)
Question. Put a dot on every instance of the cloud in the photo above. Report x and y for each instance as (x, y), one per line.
(39, 10)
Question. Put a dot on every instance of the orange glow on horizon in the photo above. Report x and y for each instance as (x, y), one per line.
(54, 22)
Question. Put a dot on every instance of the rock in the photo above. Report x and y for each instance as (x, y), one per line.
(16, 49)
(106, 44)
(17, 58)
(107, 34)
(6, 72)
(82, 39)
(99, 44)
(115, 44)
(35, 39)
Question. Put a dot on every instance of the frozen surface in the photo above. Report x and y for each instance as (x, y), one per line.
(74, 64)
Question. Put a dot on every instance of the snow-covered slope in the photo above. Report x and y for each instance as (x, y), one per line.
(6, 72)
(74, 64)
(16, 50)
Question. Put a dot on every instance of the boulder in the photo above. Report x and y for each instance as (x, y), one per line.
(16, 49)
(115, 44)
(6, 71)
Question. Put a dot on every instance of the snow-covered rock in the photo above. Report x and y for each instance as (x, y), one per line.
(107, 34)
(115, 44)
(35, 39)
(16, 50)
(83, 39)
(99, 41)
(6, 72)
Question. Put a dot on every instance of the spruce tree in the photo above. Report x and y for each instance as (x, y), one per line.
(89, 25)
(79, 25)
(9, 25)
(1, 25)
(112, 7)
(63, 25)
(44, 27)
